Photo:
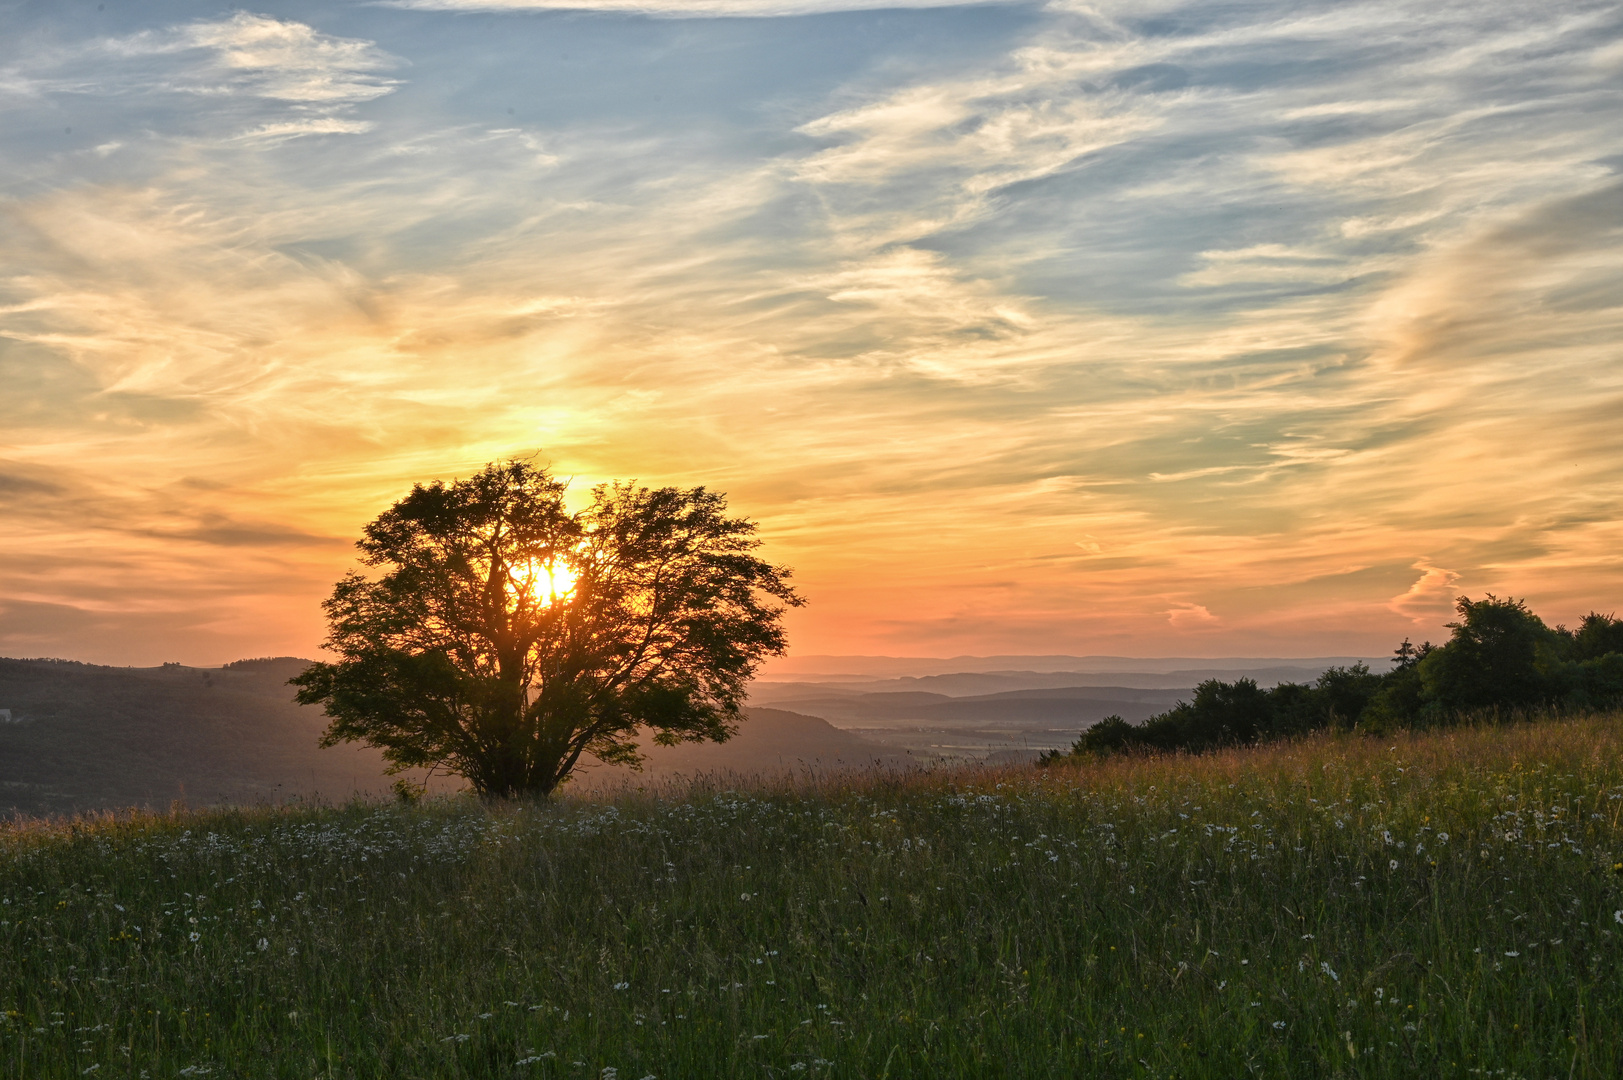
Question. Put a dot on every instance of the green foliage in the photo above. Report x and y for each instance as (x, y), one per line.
(509, 637)
(1596, 637)
(1433, 905)
(1492, 661)
(1231, 714)
(1500, 659)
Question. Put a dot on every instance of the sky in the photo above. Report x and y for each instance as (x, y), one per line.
(1153, 329)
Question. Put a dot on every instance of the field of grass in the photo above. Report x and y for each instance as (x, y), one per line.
(1442, 904)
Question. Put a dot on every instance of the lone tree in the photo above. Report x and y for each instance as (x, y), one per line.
(508, 636)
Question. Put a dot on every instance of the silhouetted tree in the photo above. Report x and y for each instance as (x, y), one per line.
(1597, 636)
(1492, 659)
(507, 637)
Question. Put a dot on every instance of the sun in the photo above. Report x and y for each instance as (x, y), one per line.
(547, 583)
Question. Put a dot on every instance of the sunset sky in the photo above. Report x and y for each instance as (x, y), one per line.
(1142, 328)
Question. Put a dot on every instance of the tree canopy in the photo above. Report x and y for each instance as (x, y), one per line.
(1500, 660)
(508, 637)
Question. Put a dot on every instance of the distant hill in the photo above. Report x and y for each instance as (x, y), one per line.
(967, 683)
(85, 737)
(1072, 706)
(859, 668)
(997, 716)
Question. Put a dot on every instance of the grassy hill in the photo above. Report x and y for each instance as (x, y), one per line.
(1446, 904)
(87, 737)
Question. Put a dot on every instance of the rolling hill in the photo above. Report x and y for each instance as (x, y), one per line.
(84, 737)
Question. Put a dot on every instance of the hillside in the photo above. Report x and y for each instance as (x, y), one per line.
(84, 737)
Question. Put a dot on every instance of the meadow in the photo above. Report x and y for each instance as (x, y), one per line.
(1446, 903)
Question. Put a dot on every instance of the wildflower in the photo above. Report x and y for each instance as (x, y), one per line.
(1393, 864)
(1279, 1025)
(1513, 954)
(622, 986)
(193, 936)
(264, 943)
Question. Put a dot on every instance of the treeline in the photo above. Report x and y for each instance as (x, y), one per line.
(1501, 658)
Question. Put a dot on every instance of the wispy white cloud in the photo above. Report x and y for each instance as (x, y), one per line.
(688, 9)
(287, 61)
(235, 67)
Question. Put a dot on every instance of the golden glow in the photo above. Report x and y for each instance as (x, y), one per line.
(545, 583)
(1291, 400)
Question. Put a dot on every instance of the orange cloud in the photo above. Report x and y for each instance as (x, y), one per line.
(1430, 598)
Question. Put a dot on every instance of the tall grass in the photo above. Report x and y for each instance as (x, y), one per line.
(1441, 904)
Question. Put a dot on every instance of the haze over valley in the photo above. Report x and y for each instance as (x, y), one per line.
(85, 737)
